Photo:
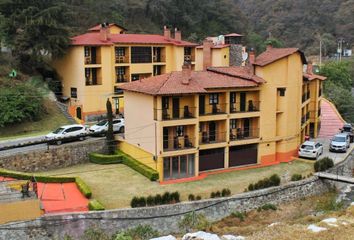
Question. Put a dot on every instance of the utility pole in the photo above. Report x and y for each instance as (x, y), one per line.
(320, 51)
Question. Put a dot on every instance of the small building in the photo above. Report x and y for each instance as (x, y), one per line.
(185, 123)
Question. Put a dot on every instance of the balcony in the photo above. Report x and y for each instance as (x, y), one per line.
(251, 106)
(320, 92)
(121, 55)
(305, 118)
(243, 134)
(305, 96)
(93, 81)
(319, 112)
(212, 109)
(177, 143)
(210, 137)
(176, 113)
(91, 60)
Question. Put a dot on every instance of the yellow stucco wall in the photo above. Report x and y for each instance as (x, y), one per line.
(19, 210)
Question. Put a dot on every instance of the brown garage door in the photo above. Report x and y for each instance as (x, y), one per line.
(211, 159)
(243, 155)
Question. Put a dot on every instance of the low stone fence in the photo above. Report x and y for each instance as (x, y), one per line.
(55, 157)
(164, 218)
(344, 168)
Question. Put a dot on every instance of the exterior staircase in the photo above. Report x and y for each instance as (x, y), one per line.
(331, 120)
(64, 109)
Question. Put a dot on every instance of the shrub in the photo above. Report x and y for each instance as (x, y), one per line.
(150, 201)
(166, 198)
(134, 202)
(146, 171)
(95, 205)
(217, 194)
(142, 202)
(296, 177)
(198, 198)
(158, 199)
(239, 215)
(225, 192)
(175, 197)
(323, 164)
(143, 232)
(191, 197)
(274, 180)
(267, 206)
(105, 159)
(212, 195)
(122, 236)
(193, 221)
(83, 187)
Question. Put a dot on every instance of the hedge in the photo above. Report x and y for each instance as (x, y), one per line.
(84, 189)
(147, 171)
(105, 159)
(95, 205)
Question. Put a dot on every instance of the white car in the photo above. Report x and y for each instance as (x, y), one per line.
(310, 149)
(102, 127)
(340, 143)
(67, 133)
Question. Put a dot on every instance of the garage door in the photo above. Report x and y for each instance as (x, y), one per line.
(243, 155)
(211, 159)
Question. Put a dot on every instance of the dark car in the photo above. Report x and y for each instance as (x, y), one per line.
(348, 128)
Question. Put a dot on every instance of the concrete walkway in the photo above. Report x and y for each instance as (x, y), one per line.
(331, 120)
(335, 177)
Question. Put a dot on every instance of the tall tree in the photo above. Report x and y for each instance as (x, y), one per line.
(110, 136)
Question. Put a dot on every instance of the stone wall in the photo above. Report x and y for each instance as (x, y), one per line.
(344, 168)
(53, 158)
(165, 219)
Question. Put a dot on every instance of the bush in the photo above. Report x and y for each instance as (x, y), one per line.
(146, 171)
(225, 192)
(158, 199)
(323, 164)
(142, 232)
(95, 205)
(150, 201)
(191, 197)
(193, 221)
(212, 195)
(267, 206)
(198, 198)
(274, 180)
(166, 198)
(239, 215)
(142, 202)
(82, 186)
(134, 202)
(105, 159)
(175, 197)
(296, 177)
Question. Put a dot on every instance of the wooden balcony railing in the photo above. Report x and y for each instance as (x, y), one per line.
(178, 143)
(250, 106)
(212, 137)
(243, 134)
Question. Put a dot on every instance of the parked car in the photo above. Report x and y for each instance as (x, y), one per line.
(67, 133)
(340, 143)
(348, 128)
(310, 149)
(102, 127)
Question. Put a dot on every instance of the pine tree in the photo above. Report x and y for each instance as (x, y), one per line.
(110, 136)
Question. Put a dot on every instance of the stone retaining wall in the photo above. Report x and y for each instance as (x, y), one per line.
(165, 218)
(56, 157)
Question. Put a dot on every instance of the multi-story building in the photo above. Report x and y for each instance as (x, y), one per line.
(185, 123)
(101, 60)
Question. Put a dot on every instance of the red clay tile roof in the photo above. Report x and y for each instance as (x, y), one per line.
(94, 38)
(311, 77)
(274, 54)
(200, 81)
(235, 71)
(98, 27)
(216, 46)
(233, 35)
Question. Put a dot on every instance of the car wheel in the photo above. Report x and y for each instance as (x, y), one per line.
(59, 142)
(82, 138)
(121, 130)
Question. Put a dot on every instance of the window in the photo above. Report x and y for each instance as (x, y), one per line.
(87, 51)
(165, 102)
(281, 92)
(118, 90)
(135, 77)
(87, 72)
(233, 97)
(120, 51)
(141, 55)
(120, 70)
(73, 92)
(157, 70)
(179, 131)
(233, 123)
(213, 98)
(116, 121)
(187, 51)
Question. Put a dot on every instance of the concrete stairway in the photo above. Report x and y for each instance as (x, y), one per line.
(64, 109)
(330, 121)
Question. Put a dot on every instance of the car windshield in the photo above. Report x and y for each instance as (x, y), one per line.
(339, 139)
(306, 147)
(347, 129)
(102, 123)
(59, 130)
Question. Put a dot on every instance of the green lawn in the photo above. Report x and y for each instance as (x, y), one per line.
(51, 118)
(115, 185)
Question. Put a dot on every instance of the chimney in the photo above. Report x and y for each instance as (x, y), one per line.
(166, 32)
(309, 69)
(207, 45)
(178, 35)
(105, 32)
(186, 73)
(252, 60)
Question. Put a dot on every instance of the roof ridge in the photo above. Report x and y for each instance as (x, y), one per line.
(162, 85)
(234, 75)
